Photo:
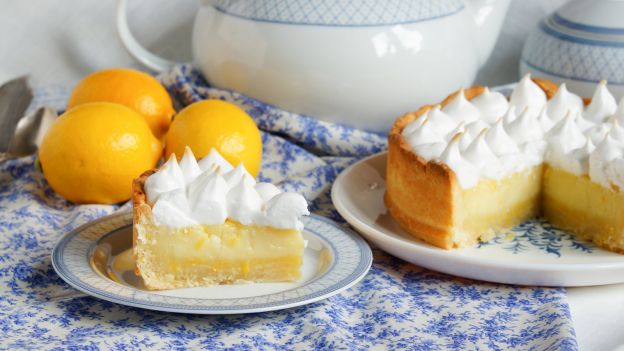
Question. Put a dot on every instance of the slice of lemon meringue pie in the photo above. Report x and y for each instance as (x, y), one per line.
(204, 223)
(480, 163)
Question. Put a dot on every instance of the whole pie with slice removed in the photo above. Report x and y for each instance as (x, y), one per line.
(204, 223)
(479, 163)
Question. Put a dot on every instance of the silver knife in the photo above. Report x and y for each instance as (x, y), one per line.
(15, 96)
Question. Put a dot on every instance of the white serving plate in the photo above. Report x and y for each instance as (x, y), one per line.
(97, 260)
(533, 253)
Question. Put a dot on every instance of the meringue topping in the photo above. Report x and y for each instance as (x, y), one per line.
(583, 123)
(619, 113)
(189, 166)
(172, 209)
(440, 121)
(206, 196)
(471, 131)
(574, 161)
(617, 131)
(243, 202)
(561, 132)
(460, 109)
(180, 197)
(598, 132)
(214, 159)
(492, 105)
(267, 191)
(509, 116)
(499, 141)
(430, 151)
(169, 177)
(414, 125)
(562, 103)
(425, 134)
(600, 162)
(545, 121)
(285, 210)
(467, 174)
(565, 135)
(234, 176)
(603, 104)
(459, 129)
(528, 95)
(525, 128)
(482, 157)
(475, 128)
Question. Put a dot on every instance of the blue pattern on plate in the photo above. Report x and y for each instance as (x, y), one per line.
(541, 234)
(397, 305)
(351, 259)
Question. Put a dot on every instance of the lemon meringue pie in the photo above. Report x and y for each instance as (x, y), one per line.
(204, 223)
(480, 163)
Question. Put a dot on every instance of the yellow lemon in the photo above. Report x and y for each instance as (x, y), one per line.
(134, 89)
(219, 124)
(92, 153)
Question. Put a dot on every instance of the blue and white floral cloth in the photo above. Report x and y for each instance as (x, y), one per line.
(396, 306)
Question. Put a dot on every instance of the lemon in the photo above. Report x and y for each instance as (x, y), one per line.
(92, 152)
(134, 89)
(219, 124)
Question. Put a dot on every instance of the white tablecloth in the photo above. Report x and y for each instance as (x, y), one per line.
(58, 42)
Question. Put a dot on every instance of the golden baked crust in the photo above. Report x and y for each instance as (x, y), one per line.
(140, 208)
(428, 183)
(421, 195)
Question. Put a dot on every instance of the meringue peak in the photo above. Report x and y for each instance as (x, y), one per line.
(172, 209)
(509, 116)
(492, 105)
(562, 102)
(440, 121)
(206, 197)
(619, 113)
(529, 95)
(238, 174)
(479, 153)
(460, 109)
(525, 128)
(566, 135)
(544, 120)
(188, 165)
(466, 173)
(499, 141)
(214, 159)
(617, 131)
(285, 209)
(602, 105)
(425, 134)
(169, 177)
(244, 204)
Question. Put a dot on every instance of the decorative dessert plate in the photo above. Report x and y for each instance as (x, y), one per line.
(96, 259)
(532, 253)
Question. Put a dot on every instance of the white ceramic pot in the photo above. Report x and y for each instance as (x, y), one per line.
(579, 44)
(361, 63)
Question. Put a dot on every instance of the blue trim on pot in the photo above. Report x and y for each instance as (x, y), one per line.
(559, 75)
(585, 27)
(574, 39)
(381, 24)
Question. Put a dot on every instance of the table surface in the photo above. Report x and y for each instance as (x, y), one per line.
(58, 42)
